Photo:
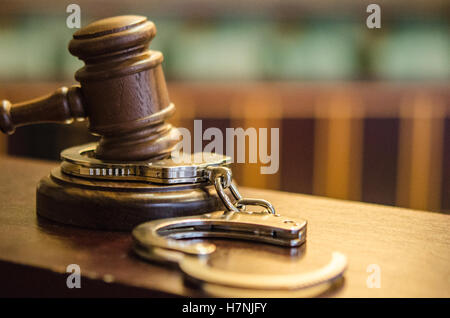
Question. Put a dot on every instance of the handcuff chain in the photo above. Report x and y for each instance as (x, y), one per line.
(221, 178)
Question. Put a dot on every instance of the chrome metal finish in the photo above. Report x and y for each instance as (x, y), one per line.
(243, 203)
(79, 161)
(254, 226)
(158, 241)
(221, 177)
(197, 268)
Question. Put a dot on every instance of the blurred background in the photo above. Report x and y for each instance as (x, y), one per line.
(364, 114)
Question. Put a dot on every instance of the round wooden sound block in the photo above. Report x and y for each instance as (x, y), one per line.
(110, 205)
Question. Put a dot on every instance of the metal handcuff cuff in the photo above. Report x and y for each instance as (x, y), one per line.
(164, 240)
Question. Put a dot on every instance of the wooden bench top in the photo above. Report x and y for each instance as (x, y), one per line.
(411, 248)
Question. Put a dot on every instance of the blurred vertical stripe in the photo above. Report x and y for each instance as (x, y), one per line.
(258, 111)
(297, 154)
(420, 157)
(338, 147)
(445, 203)
(380, 143)
(380, 160)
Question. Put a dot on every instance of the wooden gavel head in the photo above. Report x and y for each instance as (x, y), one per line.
(122, 92)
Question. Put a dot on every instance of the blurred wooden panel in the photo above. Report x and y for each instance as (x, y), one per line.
(380, 160)
(338, 147)
(220, 123)
(43, 141)
(46, 141)
(358, 123)
(3, 144)
(297, 160)
(257, 111)
(185, 110)
(299, 99)
(420, 159)
(445, 204)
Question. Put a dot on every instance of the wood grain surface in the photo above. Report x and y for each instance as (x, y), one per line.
(411, 248)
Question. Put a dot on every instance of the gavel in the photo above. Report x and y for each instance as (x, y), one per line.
(130, 176)
(122, 93)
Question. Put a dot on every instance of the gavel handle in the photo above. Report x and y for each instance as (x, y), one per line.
(63, 106)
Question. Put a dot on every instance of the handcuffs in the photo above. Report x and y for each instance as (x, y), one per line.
(165, 240)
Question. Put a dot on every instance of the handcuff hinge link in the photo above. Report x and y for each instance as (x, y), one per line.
(221, 177)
